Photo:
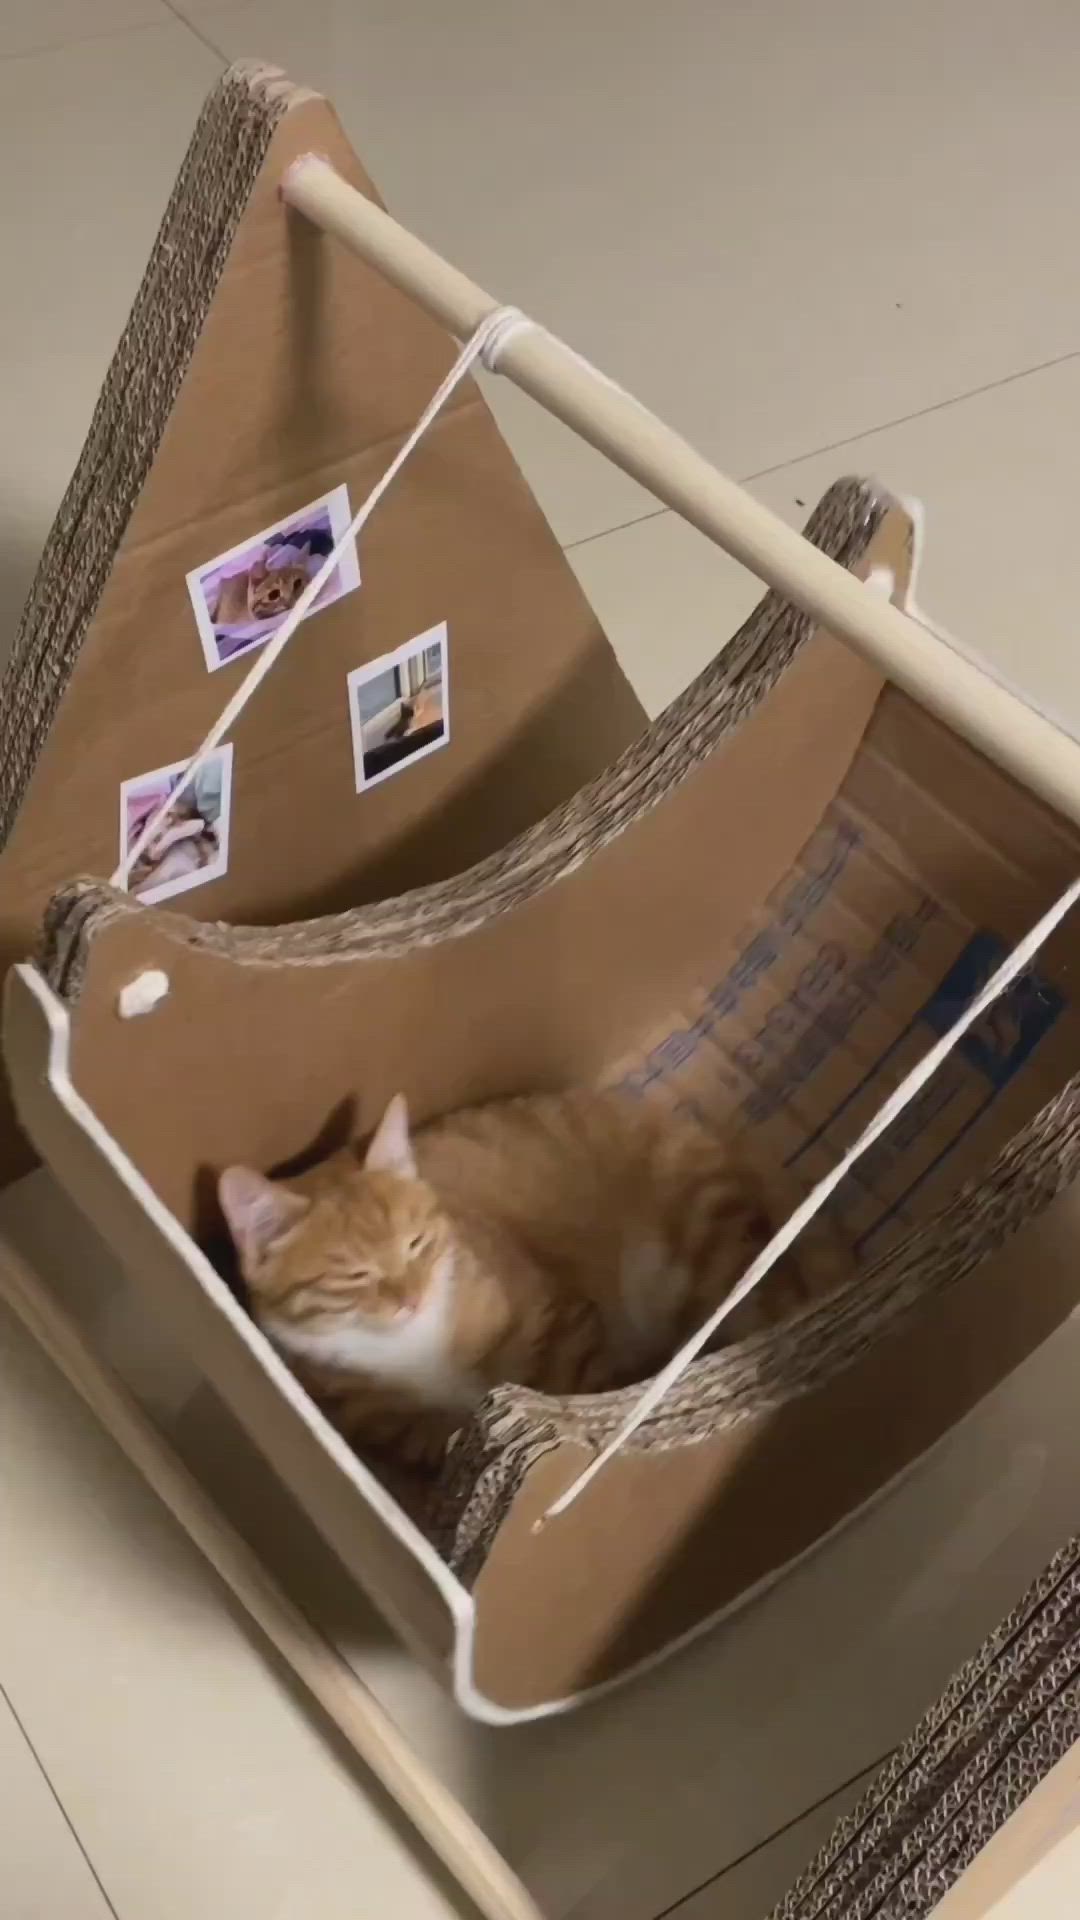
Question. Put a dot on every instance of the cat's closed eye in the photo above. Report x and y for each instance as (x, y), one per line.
(417, 1243)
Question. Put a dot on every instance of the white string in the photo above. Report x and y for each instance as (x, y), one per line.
(997, 984)
(486, 344)
(498, 328)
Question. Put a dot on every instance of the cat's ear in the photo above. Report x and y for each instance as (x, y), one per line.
(258, 570)
(390, 1150)
(304, 552)
(257, 1211)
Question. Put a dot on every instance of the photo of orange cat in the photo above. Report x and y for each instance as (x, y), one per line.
(241, 597)
(567, 1242)
(261, 591)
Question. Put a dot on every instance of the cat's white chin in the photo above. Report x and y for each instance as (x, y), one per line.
(413, 1351)
(342, 1326)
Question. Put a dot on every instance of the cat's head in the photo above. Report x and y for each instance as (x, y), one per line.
(362, 1247)
(273, 590)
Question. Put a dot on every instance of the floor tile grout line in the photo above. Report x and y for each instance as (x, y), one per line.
(873, 1767)
(621, 526)
(92, 39)
(918, 413)
(64, 1814)
(834, 446)
(195, 31)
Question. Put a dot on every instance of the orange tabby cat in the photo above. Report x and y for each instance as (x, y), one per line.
(568, 1242)
(261, 593)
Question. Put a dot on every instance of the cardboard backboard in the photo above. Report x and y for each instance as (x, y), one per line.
(421, 717)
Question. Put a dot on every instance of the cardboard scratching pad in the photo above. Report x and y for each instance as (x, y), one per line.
(984, 1795)
(264, 376)
(775, 951)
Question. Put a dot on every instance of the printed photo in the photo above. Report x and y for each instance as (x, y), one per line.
(241, 598)
(399, 708)
(191, 846)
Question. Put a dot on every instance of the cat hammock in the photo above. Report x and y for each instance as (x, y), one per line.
(769, 903)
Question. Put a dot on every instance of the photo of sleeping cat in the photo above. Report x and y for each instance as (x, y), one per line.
(183, 845)
(567, 1242)
(240, 598)
(191, 844)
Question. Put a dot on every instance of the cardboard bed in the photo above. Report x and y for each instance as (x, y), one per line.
(766, 904)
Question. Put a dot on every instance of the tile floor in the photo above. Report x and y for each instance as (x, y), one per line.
(818, 239)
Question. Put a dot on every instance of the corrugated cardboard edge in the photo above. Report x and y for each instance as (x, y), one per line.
(222, 163)
(1036, 1853)
(1004, 1722)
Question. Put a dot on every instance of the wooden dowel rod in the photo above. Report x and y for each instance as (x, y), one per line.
(1023, 742)
(443, 1823)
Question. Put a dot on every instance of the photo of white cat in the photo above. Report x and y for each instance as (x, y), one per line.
(399, 708)
(241, 597)
(191, 846)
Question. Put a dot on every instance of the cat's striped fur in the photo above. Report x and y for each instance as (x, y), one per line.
(564, 1241)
